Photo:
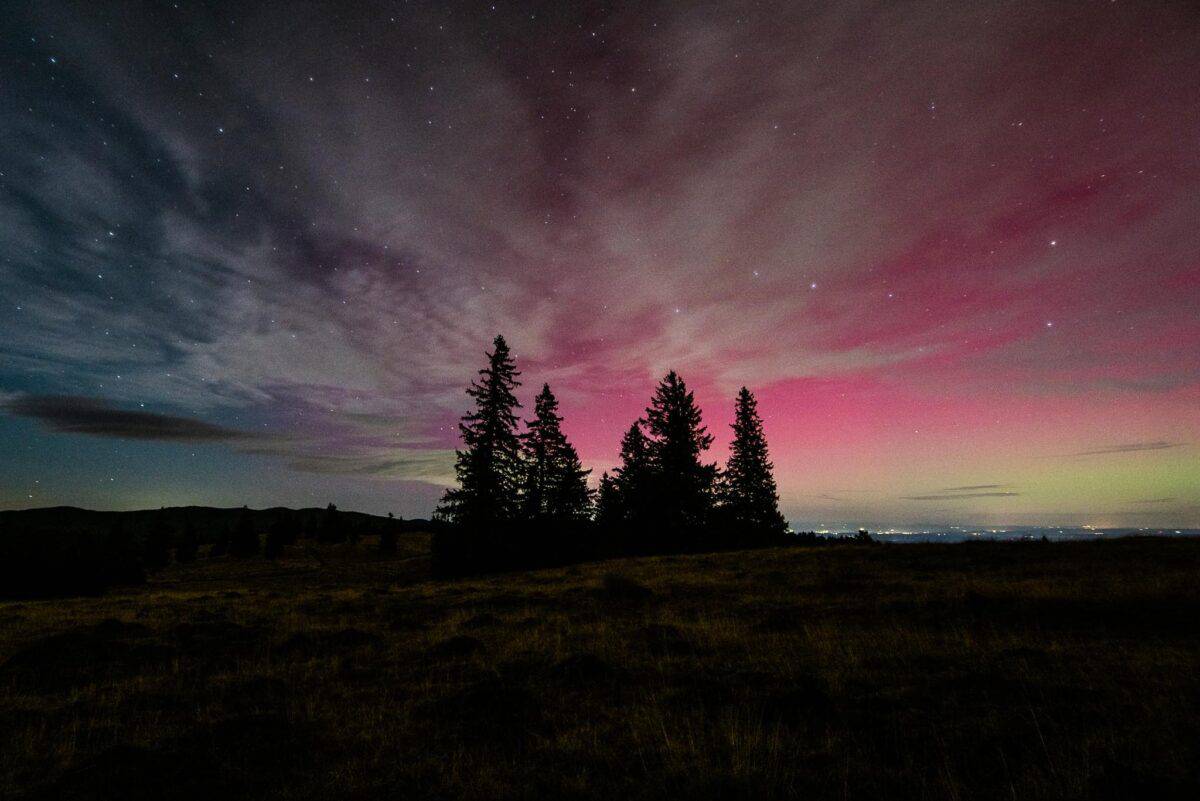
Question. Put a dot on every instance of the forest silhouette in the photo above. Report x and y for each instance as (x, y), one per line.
(522, 501)
(523, 498)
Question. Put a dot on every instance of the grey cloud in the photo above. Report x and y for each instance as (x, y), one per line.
(73, 414)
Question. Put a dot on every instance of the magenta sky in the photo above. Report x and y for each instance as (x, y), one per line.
(954, 248)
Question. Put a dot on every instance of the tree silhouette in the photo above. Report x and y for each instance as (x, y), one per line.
(608, 501)
(555, 483)
(749, 498)
(633, 480)
(332, 528)
(488, 467)
(683, 484)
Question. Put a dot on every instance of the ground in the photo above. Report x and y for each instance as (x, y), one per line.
(972, 671)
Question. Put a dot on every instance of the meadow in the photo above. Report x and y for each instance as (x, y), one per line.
(971, 671)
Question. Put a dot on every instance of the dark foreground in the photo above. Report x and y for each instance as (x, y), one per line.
(927, 671)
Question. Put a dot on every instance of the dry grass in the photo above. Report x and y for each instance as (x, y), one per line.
(942, 672)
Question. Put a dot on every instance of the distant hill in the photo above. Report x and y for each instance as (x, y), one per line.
(208, 521)
(64, 550)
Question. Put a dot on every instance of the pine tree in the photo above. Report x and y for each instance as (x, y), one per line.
(390, 535)
(684, 485)
(488, 467)
(571, 498)
(749, 498)
(608, 501)
(388, 539)
(633, 480)
(555, 483)
(332, 528)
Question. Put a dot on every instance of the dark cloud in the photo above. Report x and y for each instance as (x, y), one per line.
(960, 495)
(1129, 447)
(72, 414)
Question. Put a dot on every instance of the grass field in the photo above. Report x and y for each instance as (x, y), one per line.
(973, 671)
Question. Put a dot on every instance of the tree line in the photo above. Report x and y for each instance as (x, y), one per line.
(523, 496)
(48, 553)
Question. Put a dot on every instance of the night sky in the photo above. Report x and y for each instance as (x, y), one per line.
(252, 254)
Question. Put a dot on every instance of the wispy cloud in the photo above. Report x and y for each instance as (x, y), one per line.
(433, 466)
(960, 496)
(73, 414)
(1129, 447)
(1155, 500)
(975, 487)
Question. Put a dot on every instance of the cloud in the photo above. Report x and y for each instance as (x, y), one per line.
(1129, 447)
(974, 487)
(960, 496)
(1155, 500)
(73, 414)
(330, 246)
(432, 466)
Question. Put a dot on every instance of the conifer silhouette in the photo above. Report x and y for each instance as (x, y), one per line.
(332, 528)
(749, 498)
(555, 484)
(390, 536)
(608, 501)
(488, 467)
(633, 480)
(683, 484)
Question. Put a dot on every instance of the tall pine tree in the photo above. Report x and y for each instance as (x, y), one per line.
(555, 484)
(684, 485)
(749, 498)
(608, 501)
(488, 467)
(633, 480)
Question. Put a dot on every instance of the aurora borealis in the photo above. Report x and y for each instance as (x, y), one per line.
(253, 254)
